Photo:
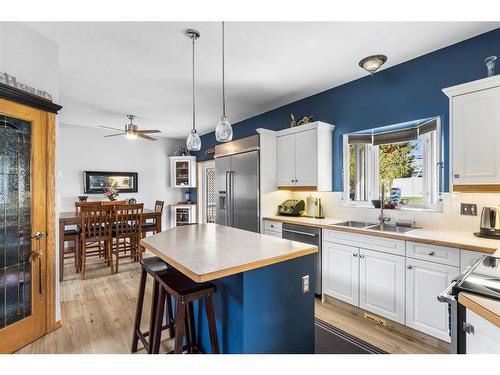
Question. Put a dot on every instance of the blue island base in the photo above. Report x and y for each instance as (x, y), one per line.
(263, 310)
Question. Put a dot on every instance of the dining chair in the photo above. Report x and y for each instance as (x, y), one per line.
(96, 226)
(79, 205)
(127, 231)
(68, 252)
(150, 226)
(94, 245)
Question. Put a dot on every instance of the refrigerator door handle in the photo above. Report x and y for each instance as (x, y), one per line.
(228, 200)
(230, 175)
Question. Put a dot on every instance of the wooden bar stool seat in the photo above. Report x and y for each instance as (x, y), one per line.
(185, 291)
(150, 266)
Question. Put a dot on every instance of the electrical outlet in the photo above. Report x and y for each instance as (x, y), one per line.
(469, 209)
(305, 284)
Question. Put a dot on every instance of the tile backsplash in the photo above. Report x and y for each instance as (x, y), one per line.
(448, 219)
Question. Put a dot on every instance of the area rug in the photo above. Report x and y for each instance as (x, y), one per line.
(331, 340)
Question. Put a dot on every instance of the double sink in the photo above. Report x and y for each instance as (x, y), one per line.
(372, 226)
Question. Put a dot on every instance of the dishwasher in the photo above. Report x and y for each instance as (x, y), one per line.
(309, 235)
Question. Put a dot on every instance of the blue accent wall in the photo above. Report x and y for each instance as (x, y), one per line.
(405, 92)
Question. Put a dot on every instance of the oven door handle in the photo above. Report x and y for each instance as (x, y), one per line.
(446, 295)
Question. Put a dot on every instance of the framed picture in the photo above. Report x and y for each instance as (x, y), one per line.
(96, 182)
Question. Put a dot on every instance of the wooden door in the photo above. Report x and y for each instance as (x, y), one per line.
(382, 284)
(340, 272)
(26, 199)
(306, 158)
(424, 282)
(286, 160)
(475, 134)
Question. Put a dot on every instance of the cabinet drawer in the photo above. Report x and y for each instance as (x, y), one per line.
(271, 233)
(386, 245)
(438, 254)
(274, 226)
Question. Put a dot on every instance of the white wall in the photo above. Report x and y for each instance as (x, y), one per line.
(85, 148)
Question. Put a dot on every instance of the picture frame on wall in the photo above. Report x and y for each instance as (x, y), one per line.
(95, 181)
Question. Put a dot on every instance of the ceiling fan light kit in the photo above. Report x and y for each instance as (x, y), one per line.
(223, 130)
(132, 131)
(193, 142)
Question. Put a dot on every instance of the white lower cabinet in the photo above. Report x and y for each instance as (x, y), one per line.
(382, 284)
(483, 338)
(424, 282)
(271, 233)
(340, 272)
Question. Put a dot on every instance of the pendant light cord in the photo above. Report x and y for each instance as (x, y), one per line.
(194, 114)
(223, 76)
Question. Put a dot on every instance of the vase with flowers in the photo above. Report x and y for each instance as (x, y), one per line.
(111, 193)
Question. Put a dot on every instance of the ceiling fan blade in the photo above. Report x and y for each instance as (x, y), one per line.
(107, 127)
(146, 137)
(114, 135)
(148, 131)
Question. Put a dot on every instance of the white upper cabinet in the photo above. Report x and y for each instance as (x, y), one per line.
(183, 171)
(304, 156)
(475, 132)
(382, 284)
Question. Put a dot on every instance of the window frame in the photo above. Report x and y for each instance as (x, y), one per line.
(432, 173)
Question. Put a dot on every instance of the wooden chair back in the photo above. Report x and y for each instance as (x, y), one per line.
(128, 220)
(96, 222)
(113, 203)
(159, 206)
(79, 205)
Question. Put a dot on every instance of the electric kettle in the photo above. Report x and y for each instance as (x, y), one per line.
(490, 221)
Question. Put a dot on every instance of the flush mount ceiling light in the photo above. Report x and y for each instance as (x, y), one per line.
(373, 63)
(223, 130)
(193, 142)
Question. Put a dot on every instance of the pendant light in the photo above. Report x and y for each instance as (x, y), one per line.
(193, 142)
(223, 130)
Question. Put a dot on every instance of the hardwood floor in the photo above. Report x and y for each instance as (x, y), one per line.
(98, 315)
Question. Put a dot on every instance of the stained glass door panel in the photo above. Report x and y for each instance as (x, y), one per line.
(15, 220)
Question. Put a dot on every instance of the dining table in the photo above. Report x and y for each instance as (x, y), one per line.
(73, 218)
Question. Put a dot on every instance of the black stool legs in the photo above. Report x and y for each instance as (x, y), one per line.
(138, 311)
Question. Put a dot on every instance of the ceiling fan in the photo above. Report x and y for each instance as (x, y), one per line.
(132, 131)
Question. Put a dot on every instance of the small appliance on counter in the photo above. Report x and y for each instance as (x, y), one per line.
(291, 207)
(490, 223)
(482, 278)
(319, 210)
(311, 203)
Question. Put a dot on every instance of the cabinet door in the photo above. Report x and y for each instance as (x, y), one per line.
(485, 338)
(271, 233)
(306, 158)
(286, 160)
(340, 272)
(424, 282)
(382, 284)
(475, 134)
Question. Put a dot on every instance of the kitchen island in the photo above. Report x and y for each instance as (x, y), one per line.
(260, 304)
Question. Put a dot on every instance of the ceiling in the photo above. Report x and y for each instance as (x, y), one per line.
(109, 69)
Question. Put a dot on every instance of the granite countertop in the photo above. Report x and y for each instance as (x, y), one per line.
(455, 239)
(207, 252)
(488, 308)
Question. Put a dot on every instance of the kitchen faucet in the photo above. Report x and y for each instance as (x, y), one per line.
(382, 219)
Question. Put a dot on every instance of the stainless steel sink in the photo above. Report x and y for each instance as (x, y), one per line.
(389, 228)
(354, 224)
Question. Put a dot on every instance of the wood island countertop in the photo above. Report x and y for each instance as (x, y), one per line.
(207, 252)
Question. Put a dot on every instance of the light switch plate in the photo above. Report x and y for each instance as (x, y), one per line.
(305, 284)
(469, 209)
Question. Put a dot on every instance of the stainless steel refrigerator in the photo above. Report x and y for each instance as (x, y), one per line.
(237, 183)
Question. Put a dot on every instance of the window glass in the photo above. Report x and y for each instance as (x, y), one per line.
(357, 172)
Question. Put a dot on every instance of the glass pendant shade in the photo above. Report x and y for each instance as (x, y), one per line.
(223, 130)
(193, 142)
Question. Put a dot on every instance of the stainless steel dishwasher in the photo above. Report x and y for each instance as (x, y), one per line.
(309, 235)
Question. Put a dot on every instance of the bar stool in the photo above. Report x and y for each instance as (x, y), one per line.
(152, 266)
(184, 290)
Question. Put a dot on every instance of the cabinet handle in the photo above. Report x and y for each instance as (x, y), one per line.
(431, 253)
(355, 255)
(456, 175)
(468, 328)
(409, 267)
(361, 256)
